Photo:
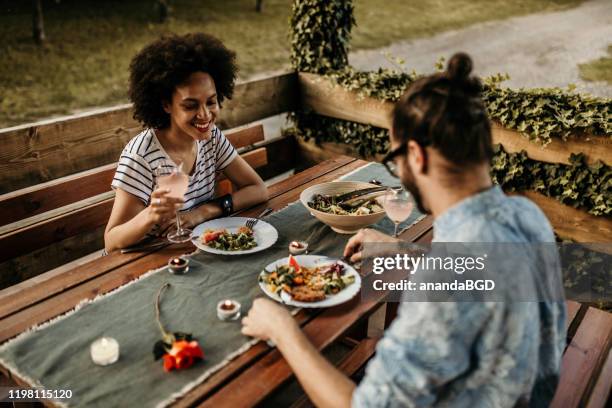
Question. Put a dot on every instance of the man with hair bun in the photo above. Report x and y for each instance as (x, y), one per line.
(455, 354)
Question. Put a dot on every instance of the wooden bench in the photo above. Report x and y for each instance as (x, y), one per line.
(76, 208)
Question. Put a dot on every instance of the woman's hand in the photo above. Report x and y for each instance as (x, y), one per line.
(163, 207)
(267, 320)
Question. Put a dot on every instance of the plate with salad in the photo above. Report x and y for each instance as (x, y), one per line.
(230, 236)
(310, 281)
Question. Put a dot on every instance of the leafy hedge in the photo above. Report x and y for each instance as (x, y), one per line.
(320, 41)
(576, 184)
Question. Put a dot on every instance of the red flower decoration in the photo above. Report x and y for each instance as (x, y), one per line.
(179, 350)
(182, 355)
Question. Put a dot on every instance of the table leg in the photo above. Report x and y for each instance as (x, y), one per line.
(377, 322)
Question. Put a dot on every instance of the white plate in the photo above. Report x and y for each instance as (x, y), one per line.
(311, 261)
(265, 234)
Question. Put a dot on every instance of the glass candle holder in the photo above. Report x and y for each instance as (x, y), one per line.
(228, 310)
(178, 266)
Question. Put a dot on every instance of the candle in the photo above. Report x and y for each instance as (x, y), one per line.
(104, 351)
(178, 266)
(298, 247)
(228, 310)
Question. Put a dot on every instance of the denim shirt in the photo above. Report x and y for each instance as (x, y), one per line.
(472, 354)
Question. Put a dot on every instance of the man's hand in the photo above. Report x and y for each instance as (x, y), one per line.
(355, 245)
(266, 320)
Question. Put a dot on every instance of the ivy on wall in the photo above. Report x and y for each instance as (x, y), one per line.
(576, 184)
(320, 42)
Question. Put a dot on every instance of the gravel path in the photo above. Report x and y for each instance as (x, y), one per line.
(538, 50)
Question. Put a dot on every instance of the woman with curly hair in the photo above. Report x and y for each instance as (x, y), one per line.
(177, 85)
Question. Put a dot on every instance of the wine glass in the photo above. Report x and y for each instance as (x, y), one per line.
(172, 177)
(398, 206)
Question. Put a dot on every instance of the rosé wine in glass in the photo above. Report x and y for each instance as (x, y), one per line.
(176, 182)
(171, 177)
(398, 206)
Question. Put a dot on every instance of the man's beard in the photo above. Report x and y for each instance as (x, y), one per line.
(410, 185)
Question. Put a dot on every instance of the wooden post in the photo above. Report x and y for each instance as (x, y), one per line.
(38, 29)
(258, 5)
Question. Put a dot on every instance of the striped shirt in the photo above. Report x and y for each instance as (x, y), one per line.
(143, 154)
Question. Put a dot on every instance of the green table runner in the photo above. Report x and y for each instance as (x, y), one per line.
(56, 355)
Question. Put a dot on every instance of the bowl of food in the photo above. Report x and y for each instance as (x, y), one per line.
(324, 201)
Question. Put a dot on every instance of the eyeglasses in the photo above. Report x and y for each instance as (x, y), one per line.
(389, 160)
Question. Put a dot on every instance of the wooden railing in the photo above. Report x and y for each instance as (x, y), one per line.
(324, 97)
(43, 151)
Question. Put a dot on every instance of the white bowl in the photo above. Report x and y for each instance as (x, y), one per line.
(343, 224)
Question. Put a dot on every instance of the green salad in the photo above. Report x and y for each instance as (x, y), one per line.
(223, 240)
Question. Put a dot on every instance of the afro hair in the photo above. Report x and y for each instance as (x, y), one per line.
(163, 65)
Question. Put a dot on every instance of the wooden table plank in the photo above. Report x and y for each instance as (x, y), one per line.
(583, 359)
(39, 288)
(262, 378)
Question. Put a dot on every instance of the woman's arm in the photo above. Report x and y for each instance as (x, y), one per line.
(251, 191)
(130, 220)
(251, 188)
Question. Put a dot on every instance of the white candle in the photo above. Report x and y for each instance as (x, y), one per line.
(104, 351)
(228, 310)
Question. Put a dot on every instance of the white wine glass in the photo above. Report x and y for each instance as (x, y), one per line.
(398, 205)
(172, 177)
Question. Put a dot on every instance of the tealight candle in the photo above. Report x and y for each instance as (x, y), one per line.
(178, 266)
(228, 310)
(298, 247)
(104, 351)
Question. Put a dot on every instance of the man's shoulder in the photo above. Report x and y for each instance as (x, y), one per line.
(515, 219)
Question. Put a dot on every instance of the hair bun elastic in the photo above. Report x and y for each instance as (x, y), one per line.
(459, 67)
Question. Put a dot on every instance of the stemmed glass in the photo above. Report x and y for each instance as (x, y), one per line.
(398, 206)
(172, 177)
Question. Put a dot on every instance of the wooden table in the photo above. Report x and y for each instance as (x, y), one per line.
(248, 379)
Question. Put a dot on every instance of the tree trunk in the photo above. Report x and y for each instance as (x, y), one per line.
(38, 29)
(258, 5)
(162, 8)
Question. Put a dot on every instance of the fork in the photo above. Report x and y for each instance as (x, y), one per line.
(250, 223)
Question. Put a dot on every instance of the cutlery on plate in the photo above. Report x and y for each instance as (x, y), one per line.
(250, 223)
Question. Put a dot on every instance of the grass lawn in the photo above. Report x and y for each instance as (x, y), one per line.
(598, 70)
(90, 43)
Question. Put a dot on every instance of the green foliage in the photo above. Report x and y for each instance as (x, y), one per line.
(599, 69)
(576, 184)
(539, 113)
(545, 113)
(365, 139)
(586, 274)
(320, 36)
